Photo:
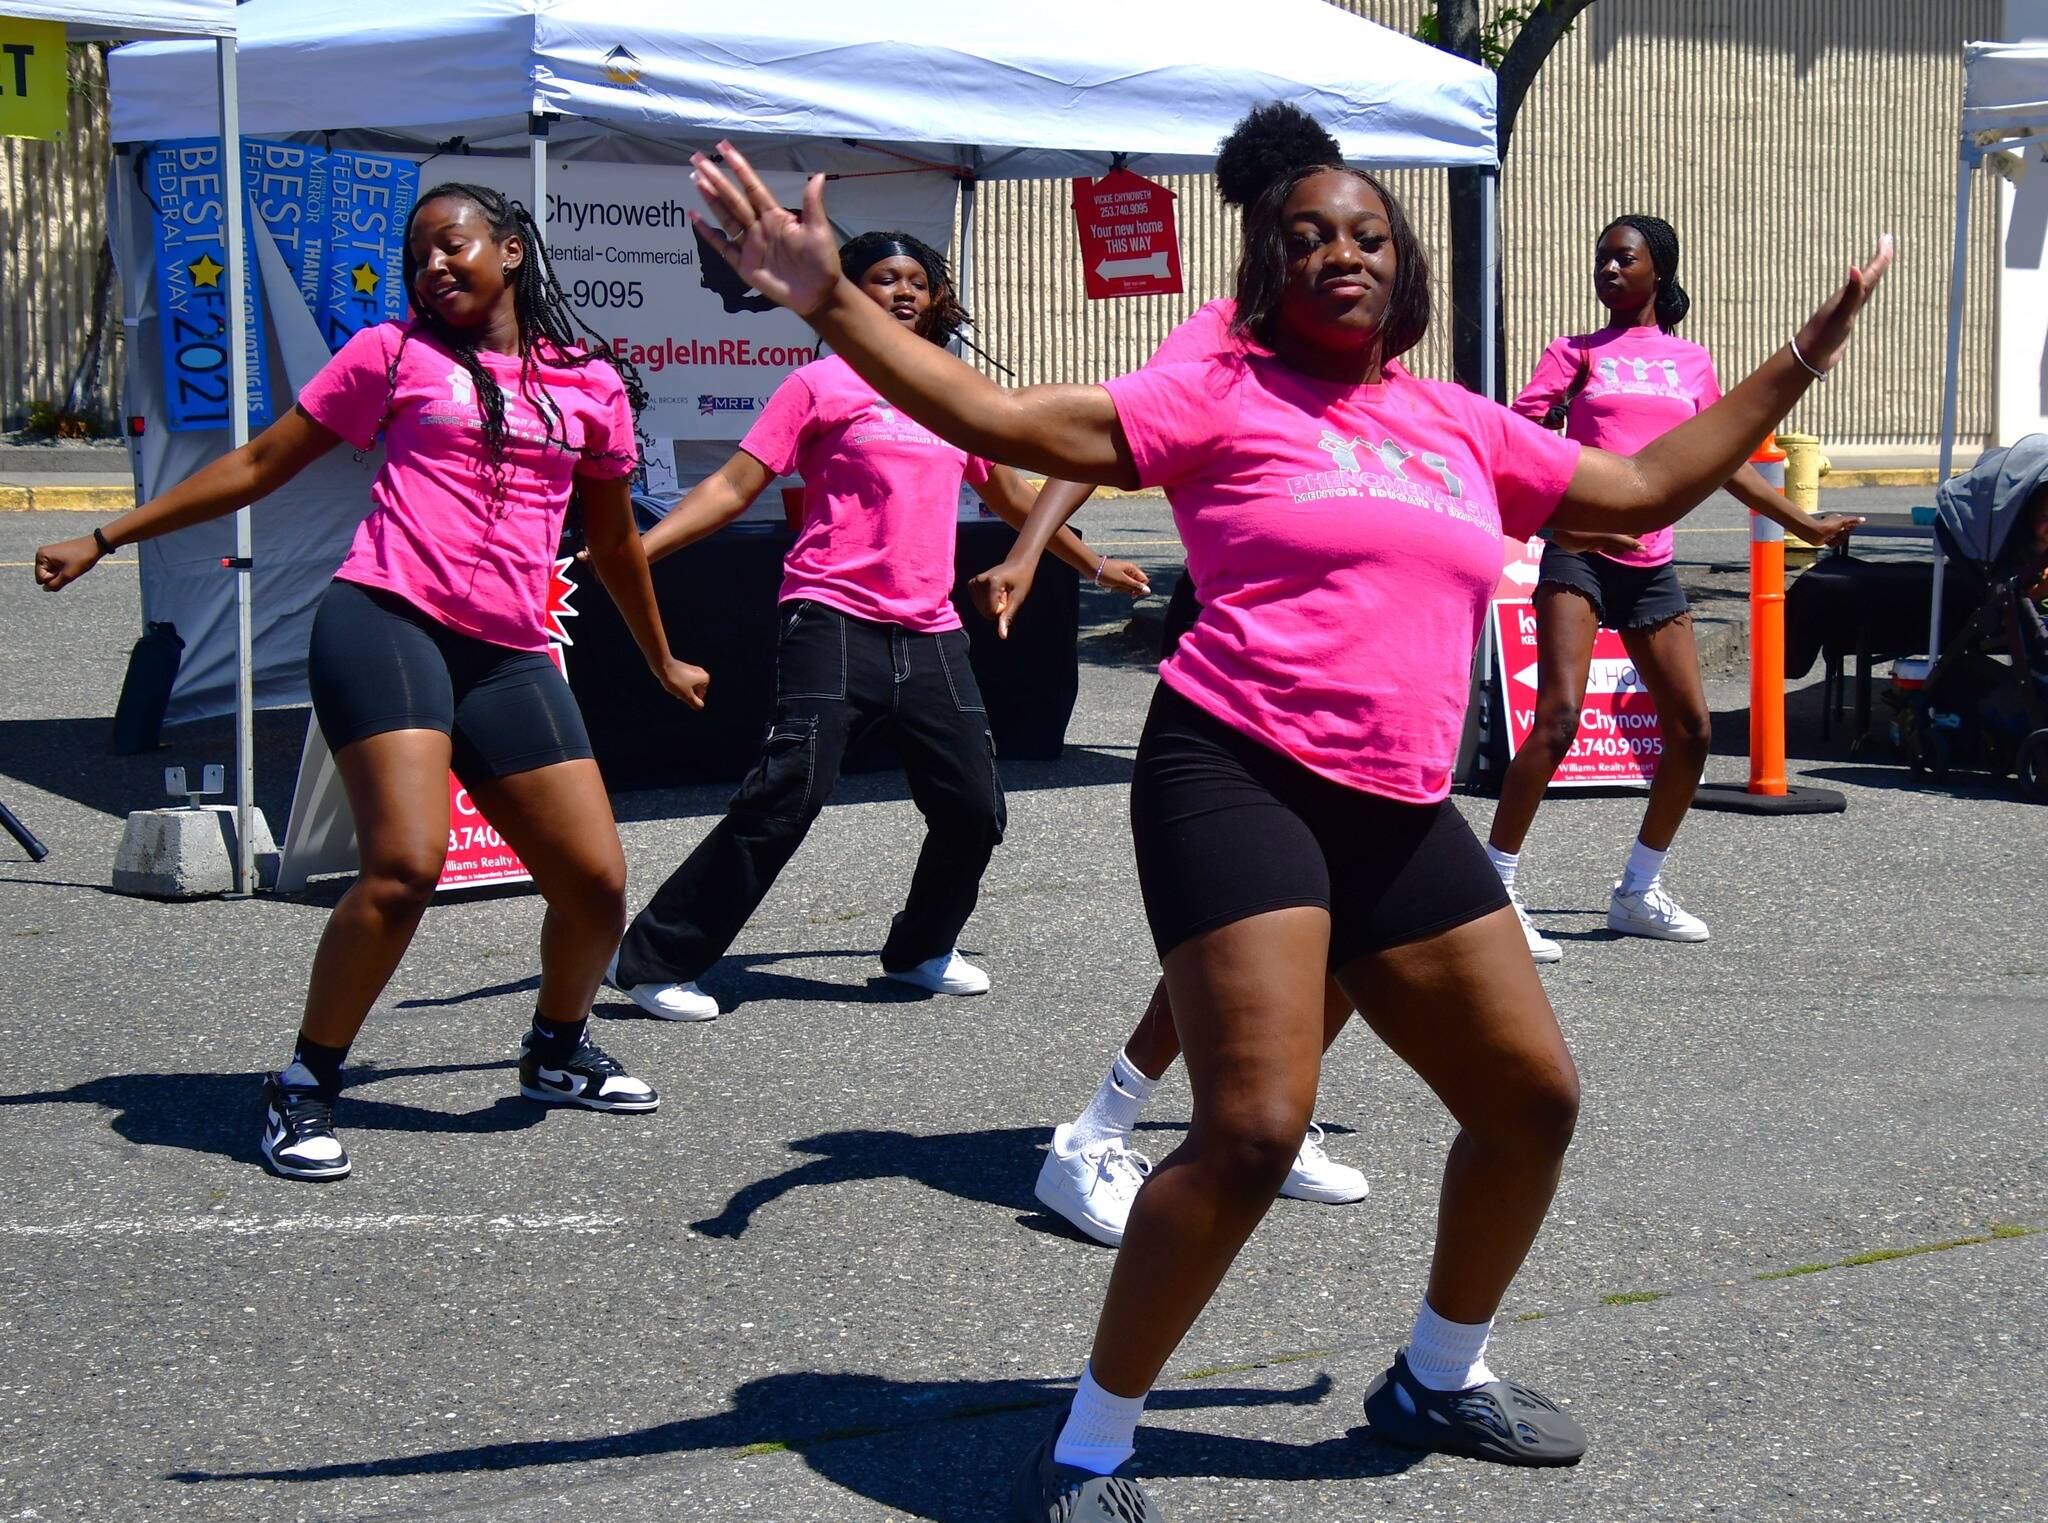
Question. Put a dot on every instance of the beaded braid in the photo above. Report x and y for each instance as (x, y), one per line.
(545, 320)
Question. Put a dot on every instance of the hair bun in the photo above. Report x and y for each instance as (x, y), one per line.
(1272, 140)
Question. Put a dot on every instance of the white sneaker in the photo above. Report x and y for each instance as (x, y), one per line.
(1652, 912)
(1315, 1176)
(1091, 1187)
(669, 1002)
(1541, 947)
(948, 973)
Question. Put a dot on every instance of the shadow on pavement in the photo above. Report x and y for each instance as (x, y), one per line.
(71, 759)
(875, 1437)
(218, 1113)
(993, 1167)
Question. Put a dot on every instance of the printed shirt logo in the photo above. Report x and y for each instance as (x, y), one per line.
(462, 410)
(1442, 490)
(879, 423)
(1637, 377)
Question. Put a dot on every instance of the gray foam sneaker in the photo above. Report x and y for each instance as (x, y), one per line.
(1049, 1492)
(1500, 1421)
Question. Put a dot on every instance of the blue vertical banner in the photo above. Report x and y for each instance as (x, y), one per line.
(188, 193)
(369, 198)
(287, 186)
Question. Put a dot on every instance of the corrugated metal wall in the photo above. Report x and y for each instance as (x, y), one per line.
(1779, 136)
(52, 222)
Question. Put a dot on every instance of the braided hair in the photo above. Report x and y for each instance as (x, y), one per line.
(944, 319)
(1661, 239)
(549, 331)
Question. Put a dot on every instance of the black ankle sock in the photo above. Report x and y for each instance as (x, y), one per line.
(323, 1062)
(555, 1042)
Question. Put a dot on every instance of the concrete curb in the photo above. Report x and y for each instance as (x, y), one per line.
(47, 499)
(1893, 476)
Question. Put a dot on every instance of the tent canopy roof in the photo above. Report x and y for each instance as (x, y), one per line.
(115, 20)
(1052, 87)
(2005, 91)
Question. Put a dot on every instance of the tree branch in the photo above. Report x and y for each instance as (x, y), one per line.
(1525, 58)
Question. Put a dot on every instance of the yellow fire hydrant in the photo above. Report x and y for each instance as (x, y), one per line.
(1804, 466)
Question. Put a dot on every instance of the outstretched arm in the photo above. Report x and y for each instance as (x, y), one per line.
(1012, 500)
(1749, 488)
(236, 479)
(1675, 472)
(622, 567)
(1069, 432)
(711, 504)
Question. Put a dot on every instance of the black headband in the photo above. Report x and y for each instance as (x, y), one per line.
(869, 255)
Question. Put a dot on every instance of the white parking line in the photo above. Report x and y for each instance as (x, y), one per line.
(250, 1226)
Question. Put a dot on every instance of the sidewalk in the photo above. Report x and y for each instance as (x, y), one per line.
(66, 476)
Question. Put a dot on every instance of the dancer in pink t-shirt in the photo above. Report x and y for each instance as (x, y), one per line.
(1090, 1174)
(428, 650)
(1619, 389)
(1289, 794)
(869, 640)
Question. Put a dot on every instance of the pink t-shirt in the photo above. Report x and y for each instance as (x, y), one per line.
(1208, 333)
(434, 536)
(881, 498)
(1343, 541)
(1640, 383)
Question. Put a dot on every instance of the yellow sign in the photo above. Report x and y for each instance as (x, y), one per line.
(33, 82)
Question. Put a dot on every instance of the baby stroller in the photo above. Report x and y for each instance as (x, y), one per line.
(1985, 702)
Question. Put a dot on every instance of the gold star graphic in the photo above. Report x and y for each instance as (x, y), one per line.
(365, 279)
(206, 271)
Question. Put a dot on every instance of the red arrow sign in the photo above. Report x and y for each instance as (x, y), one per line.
(1129, 243)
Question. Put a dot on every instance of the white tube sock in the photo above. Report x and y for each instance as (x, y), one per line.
(1448, 1356)
(1101, 1431)
(1504, 863)
(1115, 1108)
(1645, 866)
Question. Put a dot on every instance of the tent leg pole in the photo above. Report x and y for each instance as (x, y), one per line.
(238, 370)
(537, 148)
(1958, 271)
(1489, 294)
(968, 192)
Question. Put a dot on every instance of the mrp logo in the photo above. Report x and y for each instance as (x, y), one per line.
(707, 405)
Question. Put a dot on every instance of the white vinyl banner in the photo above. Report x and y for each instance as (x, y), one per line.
(710, 349)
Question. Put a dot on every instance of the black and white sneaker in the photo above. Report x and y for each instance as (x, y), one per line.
(1503, 1420)
(298, 1133)
(1049, 1492)
(593, 1079)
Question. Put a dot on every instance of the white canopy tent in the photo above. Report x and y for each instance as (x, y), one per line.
(1056, 88)
(2005, 106)
(127, 20)
(213, 20)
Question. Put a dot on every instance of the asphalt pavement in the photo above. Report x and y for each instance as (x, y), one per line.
(1795, 1270)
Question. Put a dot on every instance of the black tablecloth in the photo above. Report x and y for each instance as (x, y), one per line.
(1842, 606)
(718, 603)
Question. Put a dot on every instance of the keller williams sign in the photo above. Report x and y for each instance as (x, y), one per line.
(1129, 243)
